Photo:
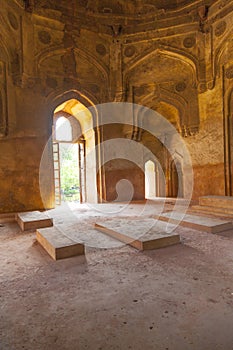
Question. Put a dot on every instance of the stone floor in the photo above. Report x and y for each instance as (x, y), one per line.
(176, 298)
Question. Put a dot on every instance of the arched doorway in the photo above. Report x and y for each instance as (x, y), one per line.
(150, 180)
(74, 153)
(175, 180)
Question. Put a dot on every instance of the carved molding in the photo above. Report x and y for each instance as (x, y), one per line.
(170, 53)
(58, 96)
(150, 95)
(58, 51)
(3, 101)
(20, 3)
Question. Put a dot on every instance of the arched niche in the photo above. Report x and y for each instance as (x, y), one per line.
(175, 178)
(165, 77)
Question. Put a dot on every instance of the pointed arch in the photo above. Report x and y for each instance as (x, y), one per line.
(187, 59)
(59, 51)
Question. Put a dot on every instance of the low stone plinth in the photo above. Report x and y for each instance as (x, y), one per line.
(196, 222)
(217, 202)
(57, 245)
(33, 220)
(141, 234)
(224, 212)
(5, 218)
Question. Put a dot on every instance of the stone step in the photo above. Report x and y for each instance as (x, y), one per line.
(33, 220)
(57, 245)
(217, 202)
(141, 234)
(212, 210)
(196, 222)
(5, 218)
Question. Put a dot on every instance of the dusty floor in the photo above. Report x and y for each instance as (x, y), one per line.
(176, 298)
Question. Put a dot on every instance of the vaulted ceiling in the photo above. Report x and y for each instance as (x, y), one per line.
(119, 6)
(114, 17)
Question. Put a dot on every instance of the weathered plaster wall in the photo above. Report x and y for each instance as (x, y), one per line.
(207, 147)
(174, 57)
(124, 181)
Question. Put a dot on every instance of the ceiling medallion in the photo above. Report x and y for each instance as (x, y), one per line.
(220, 28)
(130, 51)
(229, 72)
(101, 49)
(44, 37)
(180, 86)
(189, 42)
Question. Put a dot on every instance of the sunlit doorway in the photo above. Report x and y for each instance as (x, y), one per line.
(150, 180)
(69, 172)
(74, 154)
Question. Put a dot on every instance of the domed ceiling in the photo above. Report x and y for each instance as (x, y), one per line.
(121, 16)
(129, 7)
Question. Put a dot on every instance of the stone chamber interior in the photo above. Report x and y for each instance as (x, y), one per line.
(141, 91)
(173, 57)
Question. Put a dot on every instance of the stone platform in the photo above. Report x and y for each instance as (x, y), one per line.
(5, 218)
(217, 201)
(141, 234)
(196, 222)
(33, 220)
(57, 245)
(216, 205)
